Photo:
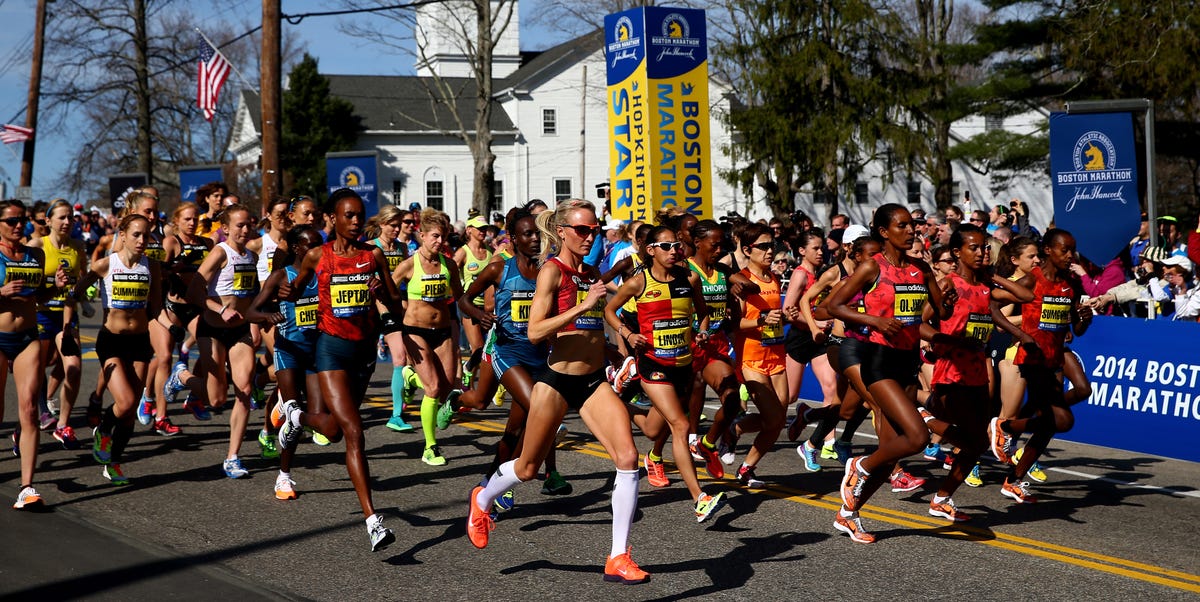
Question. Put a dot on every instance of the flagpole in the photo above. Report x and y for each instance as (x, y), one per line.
(231, 65)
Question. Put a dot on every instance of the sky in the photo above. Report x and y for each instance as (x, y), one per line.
(337, 54)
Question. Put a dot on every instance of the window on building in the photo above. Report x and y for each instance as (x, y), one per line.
(550, 122)
(914, 192)
(992, 123)
(955, 191)
(562, 189)
(397, 191)
(821, 197)
(435, 195)
(860, 193)
(496, 203)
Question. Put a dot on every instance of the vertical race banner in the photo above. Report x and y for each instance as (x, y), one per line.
(193, 177)
(358, 171)
(657, 61)
(1093, 174)
(120, 185)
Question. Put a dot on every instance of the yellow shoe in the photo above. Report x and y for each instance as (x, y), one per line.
(498, 399)
(1035, 472)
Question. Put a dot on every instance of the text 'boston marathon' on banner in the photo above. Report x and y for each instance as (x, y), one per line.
(1093, 173)
(658, 115)
(358, 171)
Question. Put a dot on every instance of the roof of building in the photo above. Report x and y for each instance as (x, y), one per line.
(542, 63)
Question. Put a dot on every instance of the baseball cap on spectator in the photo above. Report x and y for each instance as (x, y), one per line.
(854, 232)
(414, 206)
(614, 224)
(1168, 218)
(918, 220)
(477, 222)
(79, 206)
(1178, 260)
(836, 235)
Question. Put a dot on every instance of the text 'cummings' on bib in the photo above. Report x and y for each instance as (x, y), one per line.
(350, 294)
(1056, 314)
(306, 312)
(519, 307)
(979, 327)
(672, 338)
(909, 302)
(592, 319)
(129, 291)
(245, 280)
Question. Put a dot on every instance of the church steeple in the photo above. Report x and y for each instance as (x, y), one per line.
(446, 37)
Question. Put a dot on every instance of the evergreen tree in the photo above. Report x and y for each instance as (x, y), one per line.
(314, 123)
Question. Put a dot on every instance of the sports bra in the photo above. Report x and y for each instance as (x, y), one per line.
(27, 269)
(430, 288)
(572, 290)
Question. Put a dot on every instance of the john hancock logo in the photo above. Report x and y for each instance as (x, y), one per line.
(1095, 171)
(626, 44)
(676, 39)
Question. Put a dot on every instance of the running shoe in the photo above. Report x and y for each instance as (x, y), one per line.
(903, 482)
(852, 484)
(555, 484)
(726, 453)
(95, 409)
(114, 473)
(174, 382)
(696, 457)
(948, 511)
(973, 479)
(290, 431)
(16, 445)
(398, 424)
(407, 375)
(446, 410)
(319, 439)
(707, 504)
(46, 421)
(933, 452)
(656, 472)
(852, 526)
(999, 440)
(479, 522)
(926, 415)
(257, 397)
(621, 376)
(52, 406)
(622, 569)
(561, 434)
(746, 476)
(433, 456)
(199, 410)
(640, 401)
(381, 536)
(505, 502)
(842, 449)
(828, 452)
(233, 468)
(1035, 472)
(743, 392)
(382, 353)
(66, 436)
(285, 488)
(101, 447)
(1018, 491)
(797, 424)
(145, 411)
(498, 398)
(278, 413)
(266, 443)
(708, 455)
(28, 498)
(809, 453)
(165, 428)
(948, 462)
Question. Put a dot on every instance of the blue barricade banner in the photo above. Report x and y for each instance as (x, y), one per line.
(193, 177)
(1093, 175)
(1145, 377)
(356, 170)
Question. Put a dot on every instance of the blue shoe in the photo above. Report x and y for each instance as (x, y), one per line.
(200, 412)
(810, 455)
(101, 447)
(505, 502)
(145, 411)
(257, 397)
(233, 468)
(398, 424)
(842, 449)
(174, 384)
(934, 453)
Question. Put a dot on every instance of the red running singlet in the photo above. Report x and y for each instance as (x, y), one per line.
(1047, 319)
(972, 318)
(346, 304)
(572, 290)
(898, 293)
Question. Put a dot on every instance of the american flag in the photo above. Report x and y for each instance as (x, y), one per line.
(15, 133)
(214, 70)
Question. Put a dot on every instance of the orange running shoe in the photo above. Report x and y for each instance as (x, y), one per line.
(656, 472)
(479, 522)
(852, 526)
(999, 440)
(712, 463)
(1018, 491)
(948, 510)
(852, 484)
(622, 569)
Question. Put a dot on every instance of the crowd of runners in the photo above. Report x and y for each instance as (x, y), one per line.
(954, 353)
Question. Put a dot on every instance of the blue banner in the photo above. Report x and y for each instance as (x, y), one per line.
(1093, 175)
(195, 176)
(356, 171)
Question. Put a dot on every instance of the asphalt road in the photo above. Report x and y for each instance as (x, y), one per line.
(1110, 524)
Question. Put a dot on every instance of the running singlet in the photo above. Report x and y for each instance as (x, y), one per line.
(393, 257)
(430, 288)
(514, 297)
(972, 318)
(898, 293)
(346, 305)
(26, 269)
(54, 258)
(572, 290)
(665, 317)
(191, 255)
(239, 277)
(715, 289)
(126, 287)
(265, 255)
(761, 348)
(299, 315)
(471, 268)
(630, 306)
(1047, 319)
(154, 248)
(809, 280)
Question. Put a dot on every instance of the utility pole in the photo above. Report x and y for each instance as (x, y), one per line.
(583, 136)
(35, 85)
(272, 176)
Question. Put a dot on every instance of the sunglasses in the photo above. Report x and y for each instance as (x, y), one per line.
(13, 222)
(40, 222)
(409, 221)
(763, 246)
(584, 231)
(975, 220)
(667, 246)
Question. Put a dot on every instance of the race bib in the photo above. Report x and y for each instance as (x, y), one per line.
(129, 290)
(156, 252)
(245, 280)
(433, 288)
(1056, 314)
(772, 335)
(519, 307)
(306, 312)
(349, 294)
(592, 319)
(909, 303)
(393, 259)
(672, 338)
(979, 327)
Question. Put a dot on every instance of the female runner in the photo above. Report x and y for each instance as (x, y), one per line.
(433, 285)
(266, 247)
(22, 274)
(896, 290)
(224, 286)
(388, 224)
(350, 276)
(566, 309)
(471, 258)
(1054, 312)
(668, 295)
(131, 293)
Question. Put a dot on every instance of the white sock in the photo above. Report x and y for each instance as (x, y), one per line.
(846, 513)
(624, 506)
(373, 520)
(504, 479)
(937, 499)
(284, 475)
(691, 438)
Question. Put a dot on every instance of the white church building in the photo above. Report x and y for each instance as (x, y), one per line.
(550, 132)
